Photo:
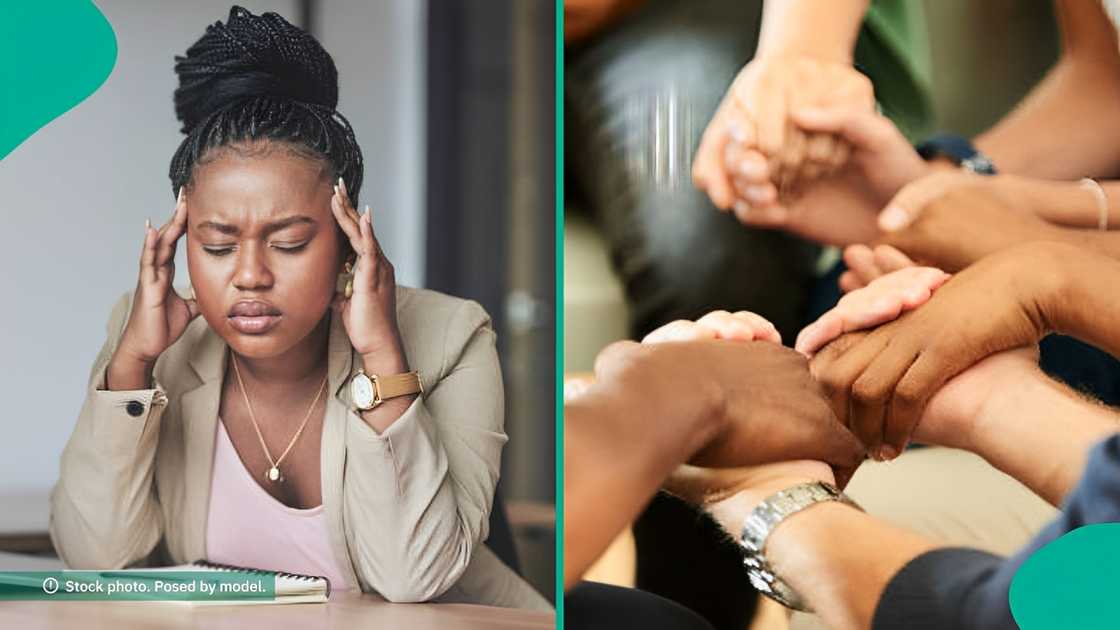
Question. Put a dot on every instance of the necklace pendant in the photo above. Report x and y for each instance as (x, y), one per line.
(274, 474)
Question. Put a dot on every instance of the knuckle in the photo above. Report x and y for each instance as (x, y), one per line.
(618, 357)
(832, 380)
(867, 392)
(907, 394)
(713, 315)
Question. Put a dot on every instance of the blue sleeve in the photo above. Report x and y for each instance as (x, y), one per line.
(966, 588)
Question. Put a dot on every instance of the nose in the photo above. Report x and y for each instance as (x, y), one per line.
(252, 270)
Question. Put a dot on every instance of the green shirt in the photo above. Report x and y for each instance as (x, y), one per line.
(893, 51)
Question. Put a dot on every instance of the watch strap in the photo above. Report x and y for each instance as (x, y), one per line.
(958, 149)
(762, 521)
(395, 385)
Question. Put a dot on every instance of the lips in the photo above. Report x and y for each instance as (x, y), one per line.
(253, 308)
(254, 317)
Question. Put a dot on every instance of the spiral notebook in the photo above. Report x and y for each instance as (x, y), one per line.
(291, 588)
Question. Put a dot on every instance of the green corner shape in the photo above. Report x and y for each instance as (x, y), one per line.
(1071, 582)
(53, 55)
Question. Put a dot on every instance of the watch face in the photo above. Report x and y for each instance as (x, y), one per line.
(361, 391)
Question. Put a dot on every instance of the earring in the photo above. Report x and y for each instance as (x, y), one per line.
(346, 280)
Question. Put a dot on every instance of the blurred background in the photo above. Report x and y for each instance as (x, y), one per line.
(982, 57)
(452, 102)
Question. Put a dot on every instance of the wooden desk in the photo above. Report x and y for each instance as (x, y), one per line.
(345, 610)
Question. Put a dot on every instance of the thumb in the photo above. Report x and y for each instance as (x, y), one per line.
(908, 204)
(863, 129)
(911, 201)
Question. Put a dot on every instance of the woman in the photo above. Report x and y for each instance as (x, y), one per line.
(251, 436)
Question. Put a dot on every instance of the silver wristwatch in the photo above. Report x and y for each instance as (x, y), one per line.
(763, 519)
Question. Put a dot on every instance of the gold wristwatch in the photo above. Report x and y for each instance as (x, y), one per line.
(368, 391)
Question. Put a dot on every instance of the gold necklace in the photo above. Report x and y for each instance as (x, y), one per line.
(273, 473)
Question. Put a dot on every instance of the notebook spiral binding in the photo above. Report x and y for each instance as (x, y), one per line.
(284, 574)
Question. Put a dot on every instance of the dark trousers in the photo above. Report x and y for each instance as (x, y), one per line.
(595, 606)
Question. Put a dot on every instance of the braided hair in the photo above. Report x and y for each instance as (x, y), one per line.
(257, 83)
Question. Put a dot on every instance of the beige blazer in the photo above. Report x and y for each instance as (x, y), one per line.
(407, 509)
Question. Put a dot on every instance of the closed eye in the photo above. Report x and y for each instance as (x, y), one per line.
(217, 251)
(289, 248)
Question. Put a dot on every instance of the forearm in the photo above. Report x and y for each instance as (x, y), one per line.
(1066, 127)
(124, 373)
(420, 492)
(104, 510)
(1069, 204)
(811, 28)
(427, 524)
(615, 458)
(1085, 302)
(837, 558)
(1035, 414)
(384, 415)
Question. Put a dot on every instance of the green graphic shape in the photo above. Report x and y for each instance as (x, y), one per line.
(53, 55)
(137, 585)
(1071, 582)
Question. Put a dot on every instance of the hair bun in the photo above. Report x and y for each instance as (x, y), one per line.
(252, 56)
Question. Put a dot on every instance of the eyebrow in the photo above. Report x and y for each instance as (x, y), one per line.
(268, 228)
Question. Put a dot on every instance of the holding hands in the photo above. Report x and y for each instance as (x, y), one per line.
(880, 382)
(753, 126)
(778, 413)
(953, 417)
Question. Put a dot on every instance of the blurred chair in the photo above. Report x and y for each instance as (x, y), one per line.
(595, 311)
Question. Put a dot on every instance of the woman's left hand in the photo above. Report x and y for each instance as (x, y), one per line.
(370, 313)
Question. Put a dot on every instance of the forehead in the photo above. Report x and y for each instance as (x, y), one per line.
(237, 187)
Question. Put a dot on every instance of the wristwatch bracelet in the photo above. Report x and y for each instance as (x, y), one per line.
(762, 521)
(368, 391)
(399, 385)
(959, 150)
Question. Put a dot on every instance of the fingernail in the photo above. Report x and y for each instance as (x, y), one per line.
(341, 184)
(887, 453)
(742, 208)
(893, 218)
(147, 225)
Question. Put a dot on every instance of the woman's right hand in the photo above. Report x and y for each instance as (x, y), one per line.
(159, 315)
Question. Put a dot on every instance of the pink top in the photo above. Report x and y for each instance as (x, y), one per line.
(248, 527)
